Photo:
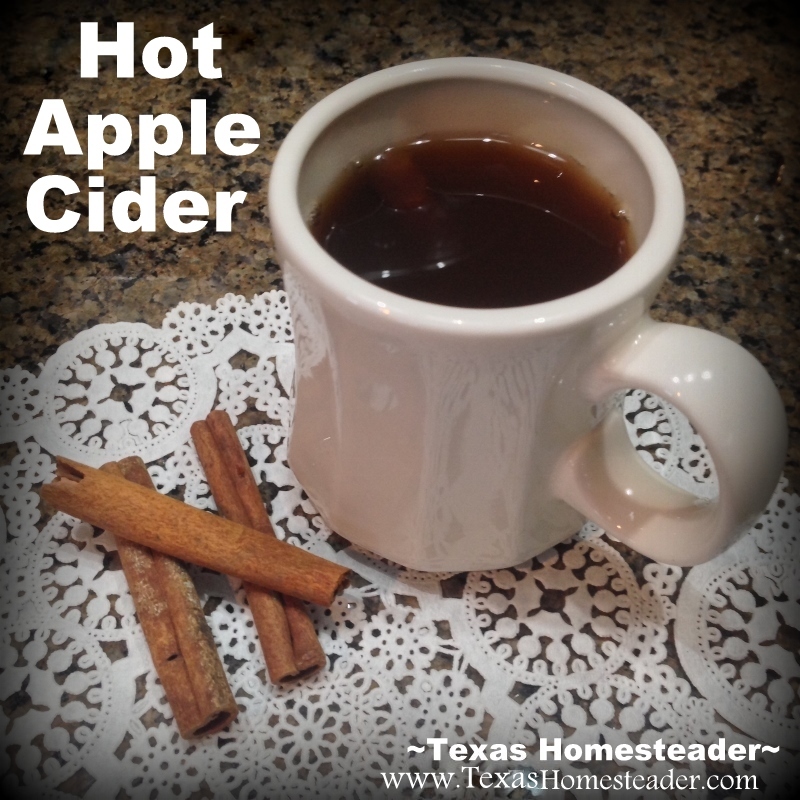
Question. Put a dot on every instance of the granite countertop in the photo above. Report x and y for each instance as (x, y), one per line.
(718, 83)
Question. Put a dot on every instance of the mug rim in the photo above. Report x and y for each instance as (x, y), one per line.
(648, 265)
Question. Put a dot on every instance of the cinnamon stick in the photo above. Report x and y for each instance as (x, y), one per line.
(162, 523)
(266, 606)
(175, 628)
(232, 454)
(399, 181)
(308, 653)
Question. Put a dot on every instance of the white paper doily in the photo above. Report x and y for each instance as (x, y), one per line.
(587, 643)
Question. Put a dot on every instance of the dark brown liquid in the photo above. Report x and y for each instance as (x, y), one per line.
(475, 223)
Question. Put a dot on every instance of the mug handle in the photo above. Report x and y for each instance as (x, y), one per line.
(732, 403)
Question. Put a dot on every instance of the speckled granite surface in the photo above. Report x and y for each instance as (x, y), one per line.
(719, 82)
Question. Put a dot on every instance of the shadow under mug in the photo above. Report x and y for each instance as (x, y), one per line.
(449, 438)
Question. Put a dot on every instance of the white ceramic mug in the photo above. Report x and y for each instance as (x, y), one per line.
(449, 438)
